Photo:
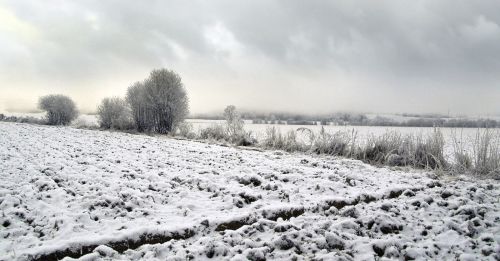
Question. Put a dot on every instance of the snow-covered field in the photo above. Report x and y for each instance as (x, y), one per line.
(67, 192)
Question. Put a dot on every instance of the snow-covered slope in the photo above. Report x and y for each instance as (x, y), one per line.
(67, 192)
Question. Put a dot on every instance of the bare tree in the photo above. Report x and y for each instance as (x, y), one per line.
(234, 123)
(159, 103)
(61, 110)
(114, 113)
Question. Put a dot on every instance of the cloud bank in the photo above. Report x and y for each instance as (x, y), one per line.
(301, 56)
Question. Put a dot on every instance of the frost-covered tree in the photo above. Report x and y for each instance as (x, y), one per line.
(142, 116)
(61, 110)
(167, 98)
(159, 103)
(234, 123)
(114, 113)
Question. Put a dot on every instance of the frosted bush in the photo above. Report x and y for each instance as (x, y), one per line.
(61, 110)
(114, 113)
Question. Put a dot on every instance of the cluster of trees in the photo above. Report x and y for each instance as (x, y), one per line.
(157, 104)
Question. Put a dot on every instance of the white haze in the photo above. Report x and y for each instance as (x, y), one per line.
(297, 56)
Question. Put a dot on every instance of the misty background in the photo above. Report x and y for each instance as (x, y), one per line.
(297, 56)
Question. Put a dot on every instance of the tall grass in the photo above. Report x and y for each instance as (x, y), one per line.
(378, 149)
(479, 157)
(486, 153)
(336, 144)
(461, 156)
(220, 133)
(214, 132)
(274, 139)
(394, 149)
(429, 152)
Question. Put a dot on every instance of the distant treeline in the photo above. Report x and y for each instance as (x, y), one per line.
(25, 119)
(359, 119)
(428, 122)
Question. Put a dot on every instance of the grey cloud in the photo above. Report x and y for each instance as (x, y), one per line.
(421, 39)
(326, 52)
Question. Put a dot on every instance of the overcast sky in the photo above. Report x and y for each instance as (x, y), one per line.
(289, 55)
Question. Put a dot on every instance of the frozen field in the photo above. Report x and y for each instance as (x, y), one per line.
(71, 193)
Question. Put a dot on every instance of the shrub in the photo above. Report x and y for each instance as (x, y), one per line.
(114, 113)
(214, 132)
(185, 129)
(82, 123)
(61, 110)
(235, 132)
(246, 139)
(10, 118)
(272, 138)
(31, 120)
(234, 123)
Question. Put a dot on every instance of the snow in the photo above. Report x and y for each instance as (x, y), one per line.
(94, 194)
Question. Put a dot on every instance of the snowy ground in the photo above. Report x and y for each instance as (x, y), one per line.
(67, 192)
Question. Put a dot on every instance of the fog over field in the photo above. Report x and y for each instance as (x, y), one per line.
(249, 130)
